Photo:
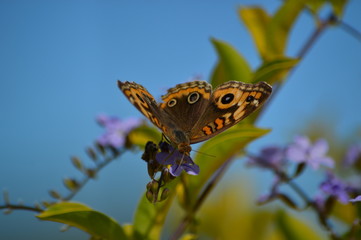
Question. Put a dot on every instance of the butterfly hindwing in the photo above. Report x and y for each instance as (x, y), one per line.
(186, 102)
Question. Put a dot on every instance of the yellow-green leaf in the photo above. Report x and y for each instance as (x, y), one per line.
(345, 212)
(149, 218)
(256, 20)
(279, 27)
(295, 229)
(338, 6)
(223, 147)
(233, 66)
(83, 217)
(275, 70)
(141, 135)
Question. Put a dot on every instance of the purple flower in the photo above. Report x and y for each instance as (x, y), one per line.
(337, 188)
(356, 199)
(352, 155)
(177, 161)
(116, 130)
(270, 157)
(301, 150)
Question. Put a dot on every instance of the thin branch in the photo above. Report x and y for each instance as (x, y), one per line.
(10, 206)
(351, 30)
(97, 169)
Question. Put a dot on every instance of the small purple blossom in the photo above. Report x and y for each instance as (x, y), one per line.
(356, 199)
(301, 150)
(352, 155)
(337, 188)
(270, 157)
(116, 130)
(177, 161)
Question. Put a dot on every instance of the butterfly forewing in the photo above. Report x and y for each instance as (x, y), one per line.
(143, 101)
(230, 103)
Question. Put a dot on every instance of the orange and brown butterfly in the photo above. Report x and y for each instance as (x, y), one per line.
(191, 112)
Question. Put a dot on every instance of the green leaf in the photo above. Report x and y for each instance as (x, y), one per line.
(338, 6)
(81, 216)
(256, 20)
(223, 147)
(149, 218)
(295, 229)
(231, 65)
(279, 27)
(270, 34)
(141, 135)
(275, 70)
(345, 212)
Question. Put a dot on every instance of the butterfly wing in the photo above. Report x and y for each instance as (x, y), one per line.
(185, 103)
(230, 103)
(144, 102)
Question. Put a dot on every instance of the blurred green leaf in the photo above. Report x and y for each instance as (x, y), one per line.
(295, 229)
(279, 27)
(256, 20)
(81, 216)
(345, 212)
(231, 65)
(275, 70)
(141, 135)
(270, 34)
(338, 6)
(149, 218)
(218, 75)
(224, 146)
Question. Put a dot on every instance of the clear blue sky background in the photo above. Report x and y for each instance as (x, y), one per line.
(59, 62)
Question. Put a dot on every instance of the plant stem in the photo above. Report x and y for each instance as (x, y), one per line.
(200, 200)
(98, 167)
(20, 207)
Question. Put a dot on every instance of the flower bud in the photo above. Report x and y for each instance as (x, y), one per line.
(149, 195)
(165, 194)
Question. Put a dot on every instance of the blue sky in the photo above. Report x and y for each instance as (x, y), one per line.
(60, 61)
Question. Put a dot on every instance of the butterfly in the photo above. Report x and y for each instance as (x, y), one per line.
(191, 112)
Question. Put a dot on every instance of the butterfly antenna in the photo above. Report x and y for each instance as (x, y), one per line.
(209, 155)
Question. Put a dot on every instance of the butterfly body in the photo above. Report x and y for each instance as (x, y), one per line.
(191, 112)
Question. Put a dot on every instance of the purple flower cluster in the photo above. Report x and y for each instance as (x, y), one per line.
(177, 161)
(301, 150)
(116, 130)
(270, 157)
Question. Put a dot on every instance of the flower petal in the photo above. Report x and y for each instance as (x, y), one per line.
(296, 154)
(165, 158)
(302, 141)
(176, 170)
(191, 169)
(319, 149)
(356, 199)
